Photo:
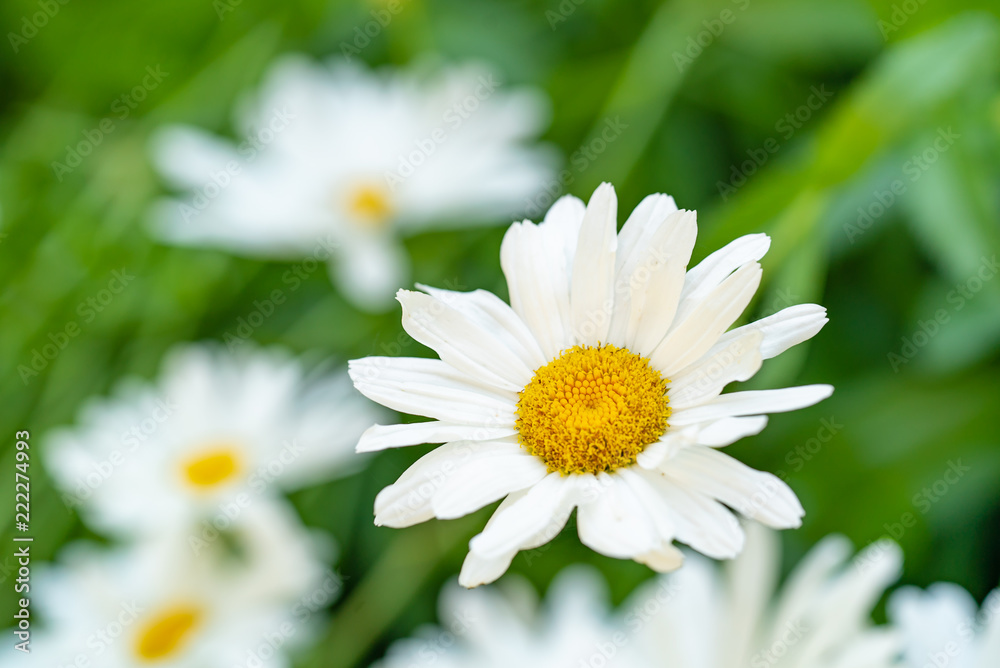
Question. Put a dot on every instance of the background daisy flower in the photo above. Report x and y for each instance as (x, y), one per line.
(598, 388)
(341, 162)
(942, 627)
(495, 629)
(158, 602)
(737, 616)
(215, 433)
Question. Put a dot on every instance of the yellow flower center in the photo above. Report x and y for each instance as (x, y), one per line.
(166, 633)
(370, 205)
(213, 466)
(592, 410)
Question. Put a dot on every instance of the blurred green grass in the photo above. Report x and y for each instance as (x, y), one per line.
(687, 130)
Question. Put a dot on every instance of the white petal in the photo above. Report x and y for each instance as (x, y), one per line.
(432, 389)
(989, 650)
(695, 334)
(483, 480)
(189, 157)
(381, 437)
(477, 570)
(494, 315)
(702, 523)
(657, 280)
(537, 262)
(753, 402)
(614, 522)
(668, 445)
(810, 578)
(592, 286)
(751, 579)
(710, 272)
(634, 241)
(656, 508)
(754, 494)
(409, 500)
(664, 559)
(784, 329)
(727, 362)
(545, 504)
(642, 223)
(461, 342)
(729, 430)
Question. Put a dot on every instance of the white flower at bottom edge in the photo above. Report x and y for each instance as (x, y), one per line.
(242, 600)
(338, 162)
(942, 628)
(704, 616)
(598, 388)
(486, 629)
(216, 431)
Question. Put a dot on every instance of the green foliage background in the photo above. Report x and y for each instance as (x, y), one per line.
(898, 72)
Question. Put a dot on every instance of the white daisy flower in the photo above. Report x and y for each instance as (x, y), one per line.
(599, 388)
(243, 601)
(486, 629)
(217, 432)
(343, 161)
(707, 617)
(943, 629)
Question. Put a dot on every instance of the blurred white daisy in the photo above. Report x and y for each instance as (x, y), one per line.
(598, 388)
(246, 600)
(217, 432)
(487, 629)
(342, 160)
(943, 629)
(707, 617)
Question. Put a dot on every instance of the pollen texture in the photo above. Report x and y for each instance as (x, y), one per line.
(592, 410)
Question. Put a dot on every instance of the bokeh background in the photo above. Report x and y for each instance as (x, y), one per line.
(863, 136)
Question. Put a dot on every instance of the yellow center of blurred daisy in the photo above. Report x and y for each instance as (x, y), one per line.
(370, 205)
(213, 466)
(592, 410)
(166, 633)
